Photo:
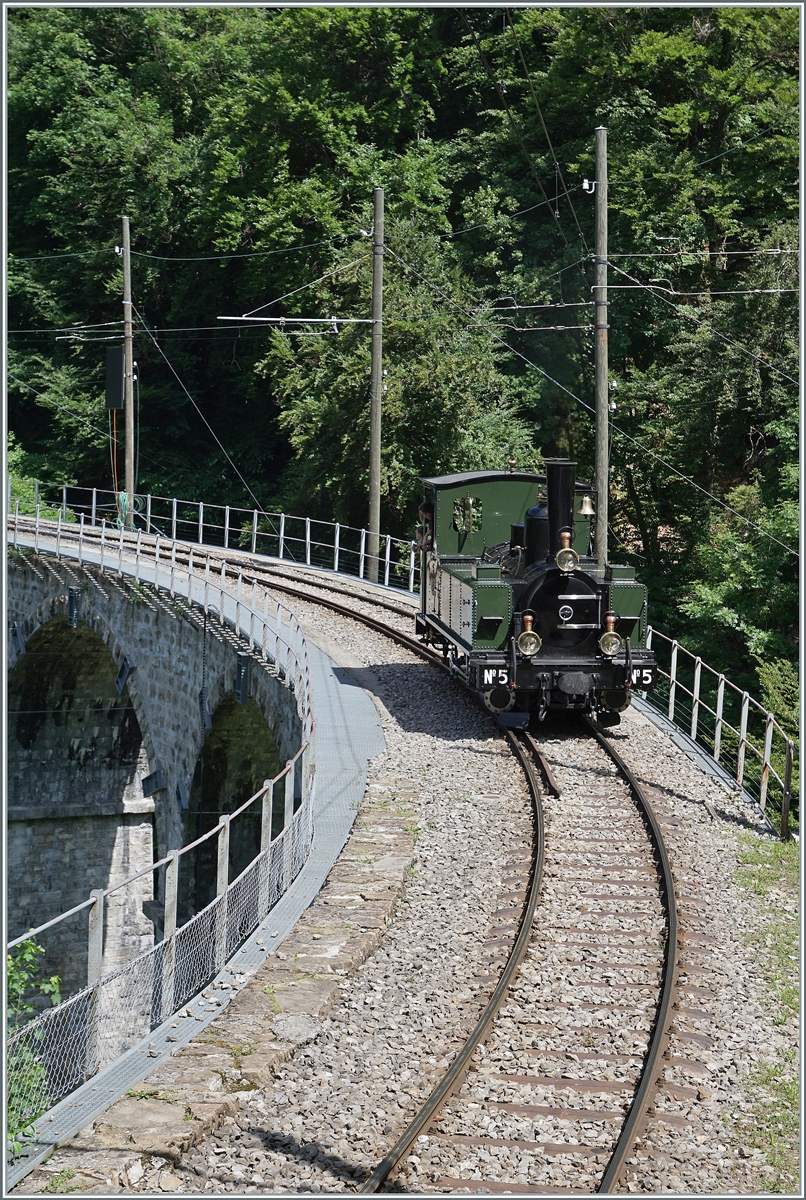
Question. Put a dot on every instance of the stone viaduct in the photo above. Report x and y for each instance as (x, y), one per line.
(125, 740)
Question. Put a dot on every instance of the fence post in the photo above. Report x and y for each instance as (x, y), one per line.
(720, 704)
(226, 527)
(672, 680)
(95, 937)
(790, 754)
(16, 519)
(223, 581)
(156, 561)
(282, 534)
(411, 567)
(388, 555)
(765, 762)
(266, 815)
(36, 492)
(58, 533)
(137, 556)
(254, 530)
(288, 816)
(201, 522)
(103, 536)
(95, 957)
(695, 698)
(742, 738)
(265, 846)
(169, 932)
(64, 500)
(308, 541)
(222, 883)
(94, 501)
(173, 520)
(80, 538)
(36, 531)
(336, 547)
(362, 554)
(120, 552)
(148, 513)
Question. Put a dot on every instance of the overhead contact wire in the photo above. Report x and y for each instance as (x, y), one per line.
(516, 130)
(258, 505)
(690, 316)
(644, 449)
(545, 130)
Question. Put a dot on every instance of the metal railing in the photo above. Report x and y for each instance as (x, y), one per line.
(735, 729)
(57, 1051)
(301, 540)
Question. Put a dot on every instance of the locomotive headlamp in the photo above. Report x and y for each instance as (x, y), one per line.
(610, 642)
(567, 560)
(529, 642)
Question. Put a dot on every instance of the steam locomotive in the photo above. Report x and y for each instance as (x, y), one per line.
(526, 615)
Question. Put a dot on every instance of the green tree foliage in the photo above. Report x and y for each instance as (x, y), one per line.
(27, 1086)
(258, 134)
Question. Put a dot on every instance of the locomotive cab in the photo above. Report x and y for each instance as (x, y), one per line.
(512, 593)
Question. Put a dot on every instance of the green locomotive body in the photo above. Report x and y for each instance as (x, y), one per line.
(510, 590)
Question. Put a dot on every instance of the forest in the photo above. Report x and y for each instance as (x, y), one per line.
(244, 145)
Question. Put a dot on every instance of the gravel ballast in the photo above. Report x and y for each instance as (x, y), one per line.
(319, 1119)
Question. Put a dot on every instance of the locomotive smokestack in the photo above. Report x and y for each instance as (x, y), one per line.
(560, 485)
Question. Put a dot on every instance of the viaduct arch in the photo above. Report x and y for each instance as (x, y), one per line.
(105, 731)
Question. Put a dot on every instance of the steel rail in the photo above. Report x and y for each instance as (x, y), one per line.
(537, 751)
(404, 639)
(456, 1072)
(650, 1077)
(270, 571)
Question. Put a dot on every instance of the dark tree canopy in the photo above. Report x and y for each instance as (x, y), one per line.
(244, 144)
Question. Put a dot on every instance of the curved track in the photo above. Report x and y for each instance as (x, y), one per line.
(613, 1157)
(627, 843)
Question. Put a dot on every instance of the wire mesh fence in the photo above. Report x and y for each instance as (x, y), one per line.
(56, 1051)
(63, 1047)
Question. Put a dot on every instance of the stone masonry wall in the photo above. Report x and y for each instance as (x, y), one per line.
(76, 821)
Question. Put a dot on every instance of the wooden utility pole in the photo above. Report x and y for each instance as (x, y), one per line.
(128, 374)
(376, 376)
(602, 326)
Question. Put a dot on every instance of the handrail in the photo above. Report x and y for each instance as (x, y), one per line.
(761, 749)
(86, 538)
(163, 515)
(53, 1053)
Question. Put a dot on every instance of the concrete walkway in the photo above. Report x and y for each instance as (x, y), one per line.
(349, 734)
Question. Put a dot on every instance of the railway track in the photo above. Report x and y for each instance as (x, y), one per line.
(551, 1089)
(622, 853)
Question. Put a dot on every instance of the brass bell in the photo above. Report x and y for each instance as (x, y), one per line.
(586, 508)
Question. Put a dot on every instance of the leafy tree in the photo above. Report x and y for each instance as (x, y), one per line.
(28, 1094)
(258, 134)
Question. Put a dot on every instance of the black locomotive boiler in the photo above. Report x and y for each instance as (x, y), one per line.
(529, 619)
